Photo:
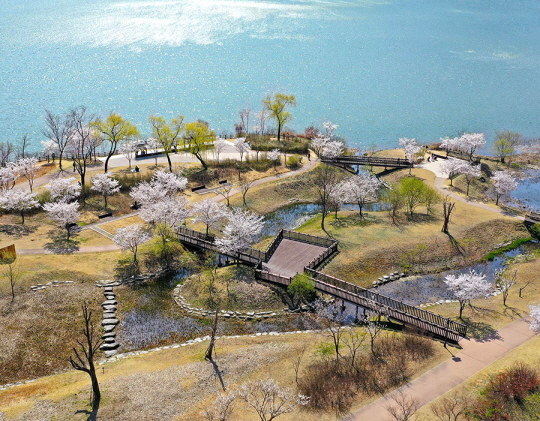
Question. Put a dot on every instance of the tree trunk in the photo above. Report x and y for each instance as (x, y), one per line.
(96, 393)
(461, 307)
(105, 197)
(322, 221)
(497, 201)
(199, 157)
(360, 209)
(12, 290)
(68, 230)
(60, 160)
(107, 162)
(22, 214)
(169, 160)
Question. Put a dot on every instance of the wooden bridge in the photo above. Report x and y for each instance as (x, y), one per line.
(290, 250)
(349, 162)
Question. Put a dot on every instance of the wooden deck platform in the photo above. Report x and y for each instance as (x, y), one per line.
(291, 257)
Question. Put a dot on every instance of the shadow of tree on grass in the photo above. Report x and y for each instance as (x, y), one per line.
(480, 331)
(17, 230)
(59, 244)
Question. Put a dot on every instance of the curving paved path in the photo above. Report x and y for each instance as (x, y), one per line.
(475, 356)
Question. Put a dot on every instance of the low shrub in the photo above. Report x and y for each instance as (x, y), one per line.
(535, 231)
(293, 162)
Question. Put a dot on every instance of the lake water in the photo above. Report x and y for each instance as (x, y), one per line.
(379, 69)
(527, 193)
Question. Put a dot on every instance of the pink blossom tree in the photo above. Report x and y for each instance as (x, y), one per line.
(504, 183)
(534, 314)
(470, 172)
(471, 142)
(220, 145)
(333, 149)
(28, 168)
(8, 176)
(273, 156)
(128, 149)
(170, 210)
(240, 232)
(361, 189)
(209, 213)
(105, 185)
(468, 286)
(410, 146)
(63, 189)
(242, 146)
(18, 200)
(452, 167)
(130, 238)
(65, 214)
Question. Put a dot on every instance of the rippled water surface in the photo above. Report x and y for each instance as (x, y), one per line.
(379, 69)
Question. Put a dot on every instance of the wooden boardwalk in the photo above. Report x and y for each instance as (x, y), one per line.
(293, 252)
(348, 162)
(291, 257)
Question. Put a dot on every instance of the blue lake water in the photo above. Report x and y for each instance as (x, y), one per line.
(379, 69)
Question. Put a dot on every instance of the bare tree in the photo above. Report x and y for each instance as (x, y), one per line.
(244, 119)
(374, 327)
(225, 191)
(84, 357)
(82, 142)
(25, 141)
(60, 131)
(245, 185)
(211, 347)
(326, 182)
(6, 150)
(354, 341)
(297, 360)
(334, 326)
(505, 281)
(448, 207)
(522, 288)
(451, 408)
(403, 408)
(221, 409)
(11, 270)
(270, 400)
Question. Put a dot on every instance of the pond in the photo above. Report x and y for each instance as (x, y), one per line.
(431, 288)
(527, 195)
(292, 216)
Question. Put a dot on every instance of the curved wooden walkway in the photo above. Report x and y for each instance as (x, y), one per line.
(290, 250)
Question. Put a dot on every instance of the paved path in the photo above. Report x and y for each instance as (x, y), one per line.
(475, 356)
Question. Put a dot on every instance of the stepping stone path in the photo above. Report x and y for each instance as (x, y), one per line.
(110, 346)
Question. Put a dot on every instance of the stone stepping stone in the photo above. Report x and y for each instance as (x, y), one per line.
(108, 328)
(109, 308)
(110, 322)
(110, 340)
(108, 335)
(107, 289)
(109, 303)
(111, 353)
(110, 296)
(109, 315)
(109, 347)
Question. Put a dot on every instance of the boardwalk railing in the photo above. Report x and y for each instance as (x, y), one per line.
(307, 238)
(272, 277)
(368, 160)
(413, 316)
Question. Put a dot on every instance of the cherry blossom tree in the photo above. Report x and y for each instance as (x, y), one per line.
(63, 213)
(8, 176)
(130, 238)
(241, 231)
(468, 286)
(64, 189)
(209, 213)
(471, 142)
(163, 184)
(269, 399)
(332, 149)
(410, 146)
(452, 167)
(242, 146)
(221, 409)
(318, 144)
(60, 131)
(49, 148)
(28, 168)
(470, 172)
(534, 314)
(170, 210)
(18, 200)
(273, 156)
(105, 185)
(361, 189)
(504, 183)
(449, 143)
(220, 145)
(154, 146)
(128, 149)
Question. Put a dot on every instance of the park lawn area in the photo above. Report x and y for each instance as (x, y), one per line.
(276, 194)
(40, 232)
(487, 315)
(112, 226)
(177, 383)
(374, 246)
(527, 353)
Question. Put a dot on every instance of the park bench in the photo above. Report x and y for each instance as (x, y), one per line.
(105, 215)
